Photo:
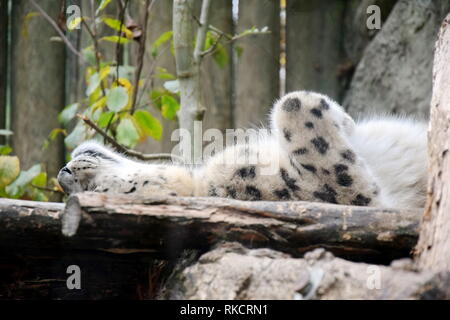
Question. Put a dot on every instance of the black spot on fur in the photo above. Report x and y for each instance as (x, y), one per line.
(326, 194)
(348, 155)
(316, 112)
(320, 144)
(339, 168)
(291, 183)
(301, 151)
(105, 190)
(131, 190)
(145, 182)
(253, 192)
(173, 194)
(295, 165)
(292, 104)
(344, 180)
(361, 200)
(231, 192)
(282, 194)
(212, 192)
(324, 105)
(325, 171)
(309, 125)
(287, 134)
(309, 167)
(247, 172)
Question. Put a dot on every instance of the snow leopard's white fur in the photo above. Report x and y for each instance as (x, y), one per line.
(319, 152)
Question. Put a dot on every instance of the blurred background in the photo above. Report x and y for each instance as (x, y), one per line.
(259, 50)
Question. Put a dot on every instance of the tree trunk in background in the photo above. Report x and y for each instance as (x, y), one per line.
(74, 67)
(160, 21)
(314, 45)
(257, 69)
(434, 247)
(37, 86)
(3, 62)
(394, 74)
(215, 80)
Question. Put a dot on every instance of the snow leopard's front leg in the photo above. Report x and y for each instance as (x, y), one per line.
(96, 168)
(313, 130)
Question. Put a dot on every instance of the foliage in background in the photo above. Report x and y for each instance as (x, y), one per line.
(118, 102)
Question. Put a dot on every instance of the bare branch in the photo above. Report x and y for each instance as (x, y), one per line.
(140, 61)
(121, 148)
(201, 32)
(123, 9)
(58, 30)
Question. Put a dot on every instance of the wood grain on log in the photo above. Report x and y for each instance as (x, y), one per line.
(434, 247)
(167, 226)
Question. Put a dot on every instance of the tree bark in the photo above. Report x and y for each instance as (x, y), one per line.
(37, 86)
(257, 68)
(3, 63)
(434, 247)
(192, 109)
(167, 226)
(394, 75)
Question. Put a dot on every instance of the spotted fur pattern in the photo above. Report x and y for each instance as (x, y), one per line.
(319, 152)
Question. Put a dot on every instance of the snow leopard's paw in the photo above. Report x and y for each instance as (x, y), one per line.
(314, 131)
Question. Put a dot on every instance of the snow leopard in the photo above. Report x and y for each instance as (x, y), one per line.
(320, 154)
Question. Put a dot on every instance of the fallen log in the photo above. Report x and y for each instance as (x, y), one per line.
(124, 224)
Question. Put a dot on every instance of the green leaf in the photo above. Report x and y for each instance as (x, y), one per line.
(89, 55)
(9, 170)
(40, 180)
(117, 99)
(172, 86)
(5, 150)
(148, 124)
(239, 50)
(99, 104)
(68, 113)
(155, 97)
(16, 189)
(104, 119)
(169, 107)
(94, 82)
(126, 72)
(220, 56)
(116, 25)
(102, 6)
(163, 38)
(77, 136)
(127, 133)
(166, 76)
(74, 23)
(4, 132)
(115, 39)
